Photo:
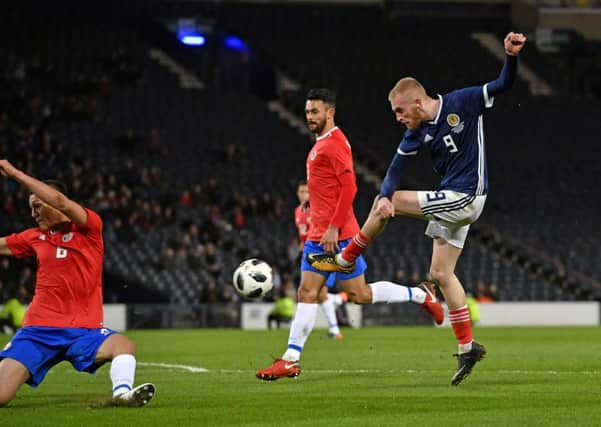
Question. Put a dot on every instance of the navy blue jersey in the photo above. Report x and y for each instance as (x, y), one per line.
(455, 139)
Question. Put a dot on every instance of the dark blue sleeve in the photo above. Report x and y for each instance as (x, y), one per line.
(393, 175)
(505, 80)
(477, 98)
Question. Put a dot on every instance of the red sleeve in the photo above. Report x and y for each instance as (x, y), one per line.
(341, 158)
(93, 223)
(345, 201)
(19, 245)
(342, 163)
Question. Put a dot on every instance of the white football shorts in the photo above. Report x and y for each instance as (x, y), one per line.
(450, 214)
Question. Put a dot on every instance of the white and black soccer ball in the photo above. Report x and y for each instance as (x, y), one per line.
(253, 279)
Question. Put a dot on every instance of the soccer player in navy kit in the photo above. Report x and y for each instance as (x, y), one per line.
(451, 127)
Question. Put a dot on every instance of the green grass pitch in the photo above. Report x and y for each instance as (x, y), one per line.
(394, 376)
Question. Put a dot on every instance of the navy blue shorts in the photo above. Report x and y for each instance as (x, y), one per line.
(315, 247)
(40, 348)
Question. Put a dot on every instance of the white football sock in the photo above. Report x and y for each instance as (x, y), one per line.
(341, 261)
(122, 372)
(300, 329)
(389, 292)
(464, 348)
(336, 298)
(330, 312)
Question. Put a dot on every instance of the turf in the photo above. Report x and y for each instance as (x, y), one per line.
(395, 376)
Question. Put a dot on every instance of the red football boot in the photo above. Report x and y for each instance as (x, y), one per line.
(432, 305)
(279, 369)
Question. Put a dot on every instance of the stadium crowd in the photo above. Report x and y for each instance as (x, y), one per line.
(202, 220)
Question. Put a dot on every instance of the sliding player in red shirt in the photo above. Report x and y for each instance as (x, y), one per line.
(332, 188)
(64, 320)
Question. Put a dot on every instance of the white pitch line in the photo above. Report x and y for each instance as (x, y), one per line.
(194, 369)
(419, 372)
(198, 369)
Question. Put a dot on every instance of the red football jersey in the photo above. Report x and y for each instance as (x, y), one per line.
(302, 219)
(68, 290)
(329, 158)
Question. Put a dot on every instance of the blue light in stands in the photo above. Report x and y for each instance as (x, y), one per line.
(234, 43)
(193, 40)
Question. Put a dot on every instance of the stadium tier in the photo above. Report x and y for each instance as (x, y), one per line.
(191, 181)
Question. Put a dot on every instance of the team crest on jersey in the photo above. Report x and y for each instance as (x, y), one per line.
(453, 119)
(67, 237)
(313, 155)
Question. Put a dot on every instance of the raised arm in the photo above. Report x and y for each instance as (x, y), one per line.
(46, 193)
(514, 42)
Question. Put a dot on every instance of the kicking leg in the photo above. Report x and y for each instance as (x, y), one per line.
(403, 203)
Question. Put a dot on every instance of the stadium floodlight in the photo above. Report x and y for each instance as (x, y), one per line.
(234, 43)
(193, 40)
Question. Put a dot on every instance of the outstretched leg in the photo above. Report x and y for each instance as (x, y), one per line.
(403, 202)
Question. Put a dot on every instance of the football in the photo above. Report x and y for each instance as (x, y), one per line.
(253, 279)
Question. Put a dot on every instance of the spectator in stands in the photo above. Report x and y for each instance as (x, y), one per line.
(181, 258)
(210, 293)
(400, 276)
(233, 154)
(185, 199)
(415, 277)
(168, 258)
(195, 256)
(238, 219)
(154, 146)
(485, 294)
(293, 252)
(229, 299)
(7, 274)
(212, 260)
